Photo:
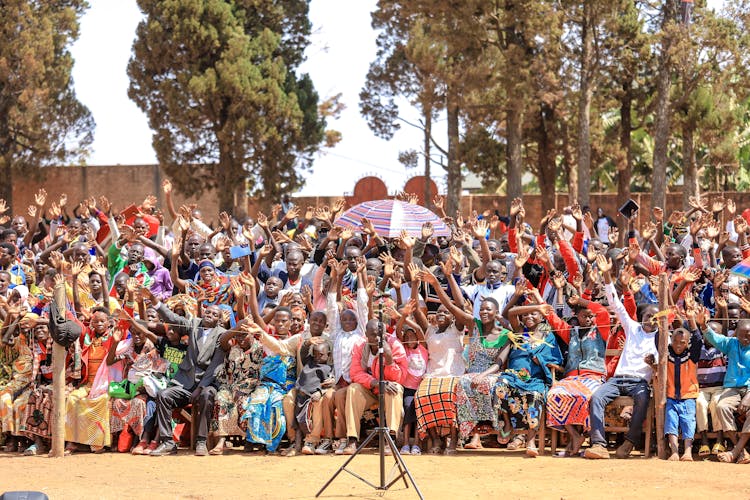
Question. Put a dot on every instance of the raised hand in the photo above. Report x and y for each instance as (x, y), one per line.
(389, 264)
(426, 276)
(717, 205)
(3, 206)
(438, 201)
(413, 271)
(367, 226)
(521, 257)
(731, 207)
(132, 285)
(456, 255)
(740, 224)
(558, 279)
(676, 218)
(149, 202)
(588, 220)
(225, 221)
(613, 236)
(479, 229)
(40, 198)
(323, 213)
(446, 267)
(63, 200)
(31, 211)
(696, 203)
(691, 275)
(338, 205)
(521, 287)
(576, 212)
(555, 224)
(515, 207)
(275, 211)
(634, 250)
(578, 280)
(76, 268)
(604, 264)
(658, 214)
(648, 231)
(713, 229)
(104, 204)
(408, 241)
(166, 186)
(427, 230)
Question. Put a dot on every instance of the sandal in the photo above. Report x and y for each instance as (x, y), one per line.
(744, 458)
(31, 451)
(435, 450)
(532, 451)
(450, 452)
(519, 440)
(140, 448)
(704, 451)
(718, 448)
(725, 457)
(503, 437)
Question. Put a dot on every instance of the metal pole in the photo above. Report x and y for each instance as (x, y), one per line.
(660, 390)
(381, 398)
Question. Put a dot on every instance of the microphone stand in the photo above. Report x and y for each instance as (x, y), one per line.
(382, 432)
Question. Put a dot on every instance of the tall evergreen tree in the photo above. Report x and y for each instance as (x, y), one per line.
(218, 81)
(41, 120)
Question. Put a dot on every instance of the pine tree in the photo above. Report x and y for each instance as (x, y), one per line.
(217, 79)
(41, 120)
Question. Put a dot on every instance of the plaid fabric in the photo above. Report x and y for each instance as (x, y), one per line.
(435, 404)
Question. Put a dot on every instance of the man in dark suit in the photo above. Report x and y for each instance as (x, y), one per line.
(195, 381)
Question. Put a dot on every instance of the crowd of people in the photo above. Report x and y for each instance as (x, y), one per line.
(268, 328)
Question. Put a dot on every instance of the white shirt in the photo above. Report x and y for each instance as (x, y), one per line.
(501, 294)
(446, 352)
(343, 342)
(638, 343)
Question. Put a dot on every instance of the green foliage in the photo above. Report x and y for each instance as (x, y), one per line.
(218, 82)
(41, 120)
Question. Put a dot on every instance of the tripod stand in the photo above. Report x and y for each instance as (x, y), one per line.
(384, 437)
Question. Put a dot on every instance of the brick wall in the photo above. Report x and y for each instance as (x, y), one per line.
(126, 184)
(121, 184)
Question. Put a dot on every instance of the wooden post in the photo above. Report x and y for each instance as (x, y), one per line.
(660, 389)
(58, 385)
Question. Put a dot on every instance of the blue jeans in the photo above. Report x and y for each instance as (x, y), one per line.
(680, 417)
(636, 388)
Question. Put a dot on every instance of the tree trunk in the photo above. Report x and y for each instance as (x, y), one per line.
(689, 171)
(625, 168)
(427, 174)
(661, 128)
(224, 178)
(514, 139)
(6, 187)
(584, 108)
(453, 201)
(570, 166)
(546, 162)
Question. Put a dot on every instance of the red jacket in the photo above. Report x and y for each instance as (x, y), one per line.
(363, 374)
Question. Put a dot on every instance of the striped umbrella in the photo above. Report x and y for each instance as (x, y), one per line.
(390, 217)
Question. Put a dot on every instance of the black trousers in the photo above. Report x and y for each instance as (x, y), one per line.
(176, 396)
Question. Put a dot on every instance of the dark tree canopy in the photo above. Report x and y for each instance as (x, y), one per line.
(218, 82)
(41, 120)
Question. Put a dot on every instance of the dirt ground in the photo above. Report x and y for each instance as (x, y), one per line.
(471, 474)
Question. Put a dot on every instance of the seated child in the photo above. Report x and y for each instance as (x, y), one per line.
(735, 396)
(712, 366)
(682, 389)
(315, 377)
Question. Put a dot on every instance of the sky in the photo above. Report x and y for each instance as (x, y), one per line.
(342, 47)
